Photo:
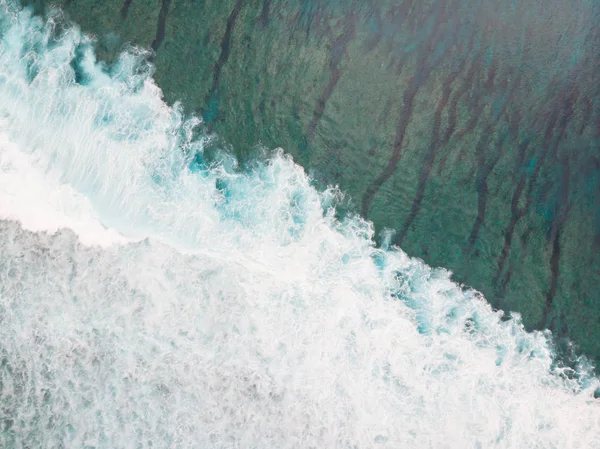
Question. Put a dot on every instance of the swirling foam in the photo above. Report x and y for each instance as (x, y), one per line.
(192, 305)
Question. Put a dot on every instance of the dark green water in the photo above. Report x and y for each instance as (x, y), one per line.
(470, 127)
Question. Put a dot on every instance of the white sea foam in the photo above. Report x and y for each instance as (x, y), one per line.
(40, 205)
(248, 317)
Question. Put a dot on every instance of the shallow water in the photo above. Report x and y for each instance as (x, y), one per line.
(149, 298)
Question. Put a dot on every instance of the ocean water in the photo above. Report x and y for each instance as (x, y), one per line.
(152, 297)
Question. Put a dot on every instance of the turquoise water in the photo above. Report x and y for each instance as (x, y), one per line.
(151, 296)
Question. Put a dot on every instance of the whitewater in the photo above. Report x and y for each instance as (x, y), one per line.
(151, 298)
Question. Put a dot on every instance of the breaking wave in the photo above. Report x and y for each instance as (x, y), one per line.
(151, 298)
